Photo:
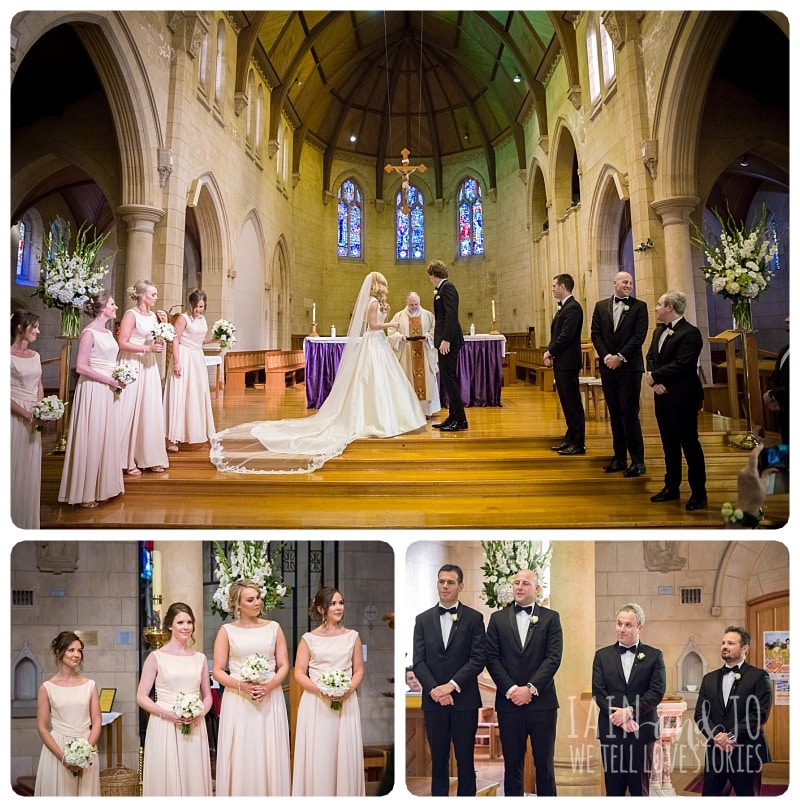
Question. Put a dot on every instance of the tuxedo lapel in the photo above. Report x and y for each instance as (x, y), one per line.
(512, 626)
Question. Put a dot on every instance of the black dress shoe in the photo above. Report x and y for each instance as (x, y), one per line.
(571, 450)
(455, 426)
(635, 470)
(442, 424)
(563, 445)
(615, 465)
(665, 495)
(696, 503)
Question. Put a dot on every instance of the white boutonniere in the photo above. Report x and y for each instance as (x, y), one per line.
(626, 307)
(639, 656)
(737, 676)
(454, 617)
(670, 332)
(534, 619)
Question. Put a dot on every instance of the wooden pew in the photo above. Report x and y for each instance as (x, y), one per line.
(284, 368)
(238, 363)
(531, 361)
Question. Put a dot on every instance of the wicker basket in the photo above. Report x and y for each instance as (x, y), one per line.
(120, 782)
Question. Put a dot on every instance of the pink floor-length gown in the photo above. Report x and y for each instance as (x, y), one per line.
(26, 444)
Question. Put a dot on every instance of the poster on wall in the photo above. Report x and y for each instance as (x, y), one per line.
(776, 663)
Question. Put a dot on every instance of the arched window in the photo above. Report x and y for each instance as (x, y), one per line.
(350, 206)
(470, 219)
(600, 58)
(202, 66)
(250, 136)
(259, 119)
(410, 226)
(219, 73)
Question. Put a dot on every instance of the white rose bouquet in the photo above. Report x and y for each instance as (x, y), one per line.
(188, 706)
(255, 669)
(124, 373)
(50, 407)
(225, 332)
(79, 752)
(163, 331)
(334, 684)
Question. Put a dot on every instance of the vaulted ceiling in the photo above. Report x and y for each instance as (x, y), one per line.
(368, 84)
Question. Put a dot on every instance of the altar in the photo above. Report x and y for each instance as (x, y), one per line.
(480, 368)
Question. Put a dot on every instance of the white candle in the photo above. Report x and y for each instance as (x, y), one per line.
(313, 312)
(493, 316)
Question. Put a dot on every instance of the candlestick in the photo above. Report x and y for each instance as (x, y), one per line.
(493, 314)
(157, 576)
(313, 312)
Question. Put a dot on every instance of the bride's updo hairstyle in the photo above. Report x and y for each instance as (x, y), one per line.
(380, 287)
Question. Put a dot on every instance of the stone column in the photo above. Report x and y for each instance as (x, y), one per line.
(182, 579)
(141, 221)
(572, 585)
(675, 217)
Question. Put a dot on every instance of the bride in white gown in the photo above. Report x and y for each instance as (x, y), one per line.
(370, 397)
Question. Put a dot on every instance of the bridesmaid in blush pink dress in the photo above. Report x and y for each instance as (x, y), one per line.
(253, 738)
(176, 754)
(26, 441)
(187, 402)
(328, 749)
(68, 708)
(92, 469)
(142, 418)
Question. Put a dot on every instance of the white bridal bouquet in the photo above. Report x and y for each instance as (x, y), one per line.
(225, 332)
(334, 684)
(49, 408)
(79, 752)
(255, 669)
(163, 331)
(188, 706)
(125, 373)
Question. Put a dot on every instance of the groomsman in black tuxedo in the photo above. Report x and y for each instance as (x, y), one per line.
(733, 704)
(672, 373)
(776, 398)
(628, 683)
(563, 354)
(449, 655)
(524, 645)
(619, 328)
(448, 340)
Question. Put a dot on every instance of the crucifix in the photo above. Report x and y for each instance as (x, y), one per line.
(405, 170)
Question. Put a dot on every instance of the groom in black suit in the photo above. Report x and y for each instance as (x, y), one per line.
(619, 328)
(449, 655)
(448, 340)
(524, 644)
(672, 373)
(563, 354)
(628, 683)
(733, 704)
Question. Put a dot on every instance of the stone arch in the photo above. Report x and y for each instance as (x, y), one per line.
(249, 290)
(539, 204)
(281, 297)
(111, 47)
(565, 154)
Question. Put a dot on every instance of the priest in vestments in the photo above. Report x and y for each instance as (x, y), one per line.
(412, 340)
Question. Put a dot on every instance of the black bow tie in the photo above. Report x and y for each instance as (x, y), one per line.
(623, 650)
(726, 670)
(526, 608)
(452, 610)
(620, 300)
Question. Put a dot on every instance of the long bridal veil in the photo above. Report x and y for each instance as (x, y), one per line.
(361, 403)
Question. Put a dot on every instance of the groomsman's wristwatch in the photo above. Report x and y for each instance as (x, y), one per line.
(532, 689)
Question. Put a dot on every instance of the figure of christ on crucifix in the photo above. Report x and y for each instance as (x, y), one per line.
(405, 170)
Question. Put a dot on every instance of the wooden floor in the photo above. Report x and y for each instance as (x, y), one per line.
(499, 474)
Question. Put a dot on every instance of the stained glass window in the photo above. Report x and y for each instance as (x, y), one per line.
(350, 205)
(470, 219)
(410, 226)
(21, 273)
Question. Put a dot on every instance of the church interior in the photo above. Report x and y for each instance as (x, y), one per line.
(273, 158)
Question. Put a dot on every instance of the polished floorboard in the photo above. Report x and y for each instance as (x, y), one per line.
(500, 474)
